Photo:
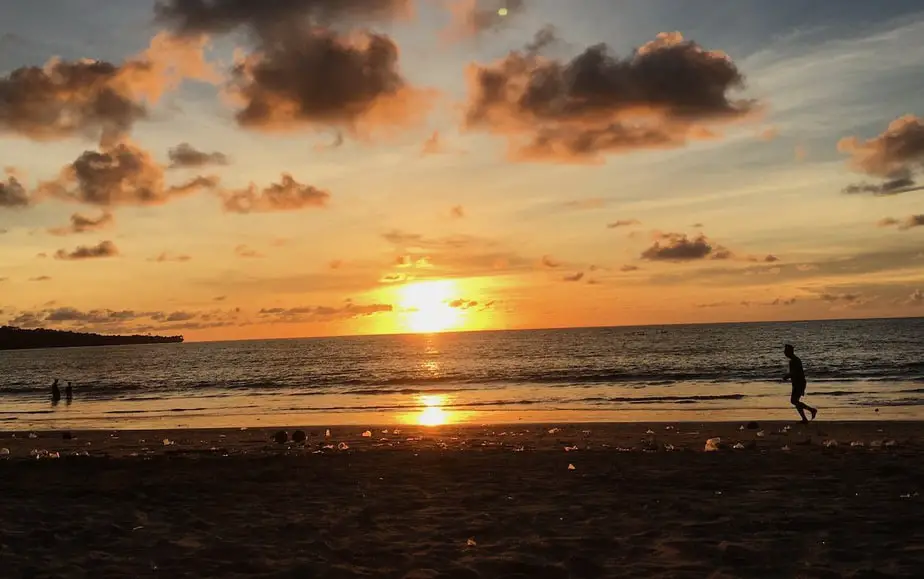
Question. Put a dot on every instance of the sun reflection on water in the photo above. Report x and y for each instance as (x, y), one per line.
(433, 413)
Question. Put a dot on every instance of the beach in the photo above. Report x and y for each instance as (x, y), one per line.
(537, 500)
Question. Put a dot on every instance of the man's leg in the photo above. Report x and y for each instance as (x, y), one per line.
(799, 405)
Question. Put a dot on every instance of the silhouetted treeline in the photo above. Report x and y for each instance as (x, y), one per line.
(18, 339)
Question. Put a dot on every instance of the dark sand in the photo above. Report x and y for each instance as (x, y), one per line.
(468, 502)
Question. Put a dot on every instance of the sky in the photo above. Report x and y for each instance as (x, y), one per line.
(226, 169)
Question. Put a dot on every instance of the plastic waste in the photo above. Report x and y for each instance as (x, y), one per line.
(168, 442)
(33, 435)
(4, 452)
(367, 434)
(343, 446)
(571, 467)
(471, 543)
(571, 448)
(829, 444)
(761, 433)
(554, 430)
(738, 446)
(857, 443)
(712, 444)
(786, 448)
(649, 431)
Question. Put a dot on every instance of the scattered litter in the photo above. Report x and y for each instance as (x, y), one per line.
(787, 428)
(890, 443)
(718, 492)
(367, 434)
(554, 430)
(571, 467)
(133, 454)
(299, 436)
(519, 449)
(909, 495)
(649, 431)
(33, 435)
(741, 427)
(786, 448)
(471, 543)
(343, 446)
(327, 433)
(668, 428)
(875, 444)
(40, 453)
(138, 528)
(585, 432)
(168, 442)
(396, 432)
(328, 447)
(385, 431)
(738, 446)
(712, 444)
(857, 443)
(761, 433)
(669, 447)
(4, 452)
(571, 448)
(829, 444)
(243, 428)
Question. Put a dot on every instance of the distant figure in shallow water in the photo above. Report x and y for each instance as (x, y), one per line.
(69, 393)
(796, 374)
(55, 392)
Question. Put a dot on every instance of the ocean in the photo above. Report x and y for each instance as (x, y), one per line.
(863, 370)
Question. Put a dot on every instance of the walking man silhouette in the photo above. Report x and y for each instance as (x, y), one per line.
(796, 375)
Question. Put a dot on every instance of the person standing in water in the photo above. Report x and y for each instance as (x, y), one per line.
(55, 392)
(69, 393)
(796, 375)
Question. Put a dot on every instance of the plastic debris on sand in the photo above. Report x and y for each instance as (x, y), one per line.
(712, 444)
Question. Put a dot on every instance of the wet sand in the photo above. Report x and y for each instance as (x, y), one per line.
(642, 500)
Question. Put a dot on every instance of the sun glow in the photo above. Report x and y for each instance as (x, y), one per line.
(427, 306)
(433, 413)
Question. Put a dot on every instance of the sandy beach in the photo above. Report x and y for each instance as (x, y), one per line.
(537, 501)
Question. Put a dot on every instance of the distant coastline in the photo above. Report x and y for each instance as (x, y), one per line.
(21, 339)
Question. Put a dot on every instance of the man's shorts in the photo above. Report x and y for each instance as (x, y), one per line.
(798, 391)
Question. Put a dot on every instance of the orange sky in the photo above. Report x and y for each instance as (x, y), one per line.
(429, 166)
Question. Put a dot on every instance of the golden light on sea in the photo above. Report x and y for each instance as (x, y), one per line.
(433, 413)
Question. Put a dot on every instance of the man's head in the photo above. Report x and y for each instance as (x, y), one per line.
(789, 350)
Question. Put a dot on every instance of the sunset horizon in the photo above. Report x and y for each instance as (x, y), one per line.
(466, 166)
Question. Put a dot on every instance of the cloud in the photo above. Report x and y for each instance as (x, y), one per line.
(550, 262)
(102, 250)
(94, 98)
(664, 95)
(170, 257)
(769, 258)
(322, 313)
(13, 195)
(623, 223)
(463, 304)
(119, 175)
(905, 224)
(895, 156)
(185, 155)
(433, 145)
(783, 302)
(574, 277)
(590, 203)
(457, 212)
(197, 17)
(770, 133)
(40, 278)
(279, 87)
(473, 17)
(288, 195)
(916, 298)
(628, 268)
(457, 254)
(83, 224)
(245, 252)
(842, 297)
(677, 247)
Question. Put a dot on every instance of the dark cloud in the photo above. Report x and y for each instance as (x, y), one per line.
(40, 278)
(245, 252)
(623, 223)
(170, 257)
(550, 262)
(463, 304)
(842, 297)
(322, 313)
(765, 259)
(895, 156)
(574, 277)
(82, 224)
(95, 99)
(102, 250)
(628, 268)
(264, 18)
(119, 175)
(317, 78)
(905, 224)
(662, 96)
(783, 302)
(185, 155)
(457, 212)
(678, 247)
(288, 195)
(13, 195)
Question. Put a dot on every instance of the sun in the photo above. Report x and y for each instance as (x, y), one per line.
(427, 306)
(433, 413)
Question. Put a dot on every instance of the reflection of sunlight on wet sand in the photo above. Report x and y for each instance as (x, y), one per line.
(432, 414)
